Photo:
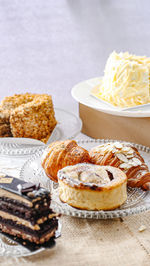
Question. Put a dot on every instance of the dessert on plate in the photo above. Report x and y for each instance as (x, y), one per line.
(127, 158)
(27, 116)
(92, 187)
(95, 179)
(60, 154)
(126, 80)
(25, 211)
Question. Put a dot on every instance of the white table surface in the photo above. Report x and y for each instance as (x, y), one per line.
(49, 46)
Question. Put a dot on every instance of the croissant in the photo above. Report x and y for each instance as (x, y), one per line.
(125, 157)
(60, 154)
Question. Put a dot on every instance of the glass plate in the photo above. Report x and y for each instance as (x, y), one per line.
(137, 200)
(68, 126)
(9, 248)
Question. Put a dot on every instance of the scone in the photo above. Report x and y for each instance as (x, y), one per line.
(60, 154)
(125, 157)
(92, 187)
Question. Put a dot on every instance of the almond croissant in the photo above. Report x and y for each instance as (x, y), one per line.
(60, 154)
(125, 157)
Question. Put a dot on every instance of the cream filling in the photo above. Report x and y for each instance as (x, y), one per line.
(53, 215)
(27, 236)
(92, 174)
(7, 194)
(36, 199)
(88, 173)
(43, 219)
(26, 223)
(18, 220)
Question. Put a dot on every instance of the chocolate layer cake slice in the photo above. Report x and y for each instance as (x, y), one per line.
(25, 210)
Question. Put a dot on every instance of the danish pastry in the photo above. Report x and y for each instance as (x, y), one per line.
(125, 157)
(92, 187)
(60, 154)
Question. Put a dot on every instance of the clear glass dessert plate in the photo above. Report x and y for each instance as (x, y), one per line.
(9, 248)
(81, 92)
(137, 200)
(68, 126)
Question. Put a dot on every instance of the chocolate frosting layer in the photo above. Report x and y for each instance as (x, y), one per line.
(28, 191)
(29, 214)
(25, 210)
(45, 228)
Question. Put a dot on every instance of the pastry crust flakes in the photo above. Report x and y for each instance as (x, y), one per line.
(33, 120)
(60, 154)
(27, 115)
(125, 157)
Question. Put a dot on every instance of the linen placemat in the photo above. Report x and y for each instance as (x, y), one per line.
(96, 242)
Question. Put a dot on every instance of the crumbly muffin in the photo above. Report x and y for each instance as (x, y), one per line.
(34, 119)
(5, 130)
(27, 115)
(11, 102)
(4, 115)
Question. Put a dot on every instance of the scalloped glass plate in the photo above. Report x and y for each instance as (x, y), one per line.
(9, 248)
(137, 200)
(68, 126)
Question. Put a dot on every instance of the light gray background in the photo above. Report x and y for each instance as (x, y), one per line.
(50, 45)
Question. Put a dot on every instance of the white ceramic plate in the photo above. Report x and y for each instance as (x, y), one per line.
(137, 201)
(82, 94)
(68, 126)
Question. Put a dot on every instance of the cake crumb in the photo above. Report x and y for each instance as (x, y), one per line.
(142, 228)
